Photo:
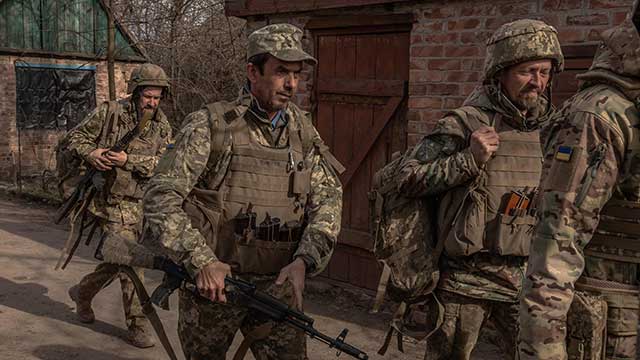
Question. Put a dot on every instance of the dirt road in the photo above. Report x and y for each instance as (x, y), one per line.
(38, 321)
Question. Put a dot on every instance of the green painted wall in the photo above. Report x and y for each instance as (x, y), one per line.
(75, 26)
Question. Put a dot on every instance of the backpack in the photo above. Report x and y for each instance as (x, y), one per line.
(71, 168)
(404, 230)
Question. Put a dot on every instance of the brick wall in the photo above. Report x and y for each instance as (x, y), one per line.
(447, 43)
(33, 152)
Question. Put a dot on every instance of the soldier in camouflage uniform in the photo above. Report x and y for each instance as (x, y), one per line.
(587, 237)
(250, 190)
(118, 208)
(477, 161)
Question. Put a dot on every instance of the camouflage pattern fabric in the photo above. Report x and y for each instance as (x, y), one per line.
(600, 119)
(207, 329)
(167, 224)
(105, 273)
(83, 139)
(283, 41)
(520, 41)
(179, 170)
(463, 320)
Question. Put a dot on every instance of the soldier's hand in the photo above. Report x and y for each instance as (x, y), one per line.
(295, 273)
(117, 158)
(210, 281)
(98, 160)
(484, 143)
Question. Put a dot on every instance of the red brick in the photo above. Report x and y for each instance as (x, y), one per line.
(619, 17)
(432, 116)
(417, 89)
(441, 38)
(466, 89)
(594, 34)
(462, 51)
(463, 24)
(475, 37)
(441, 12)
(550, 5)
(478, 10)
(609, 4)
(571, 35)
(428, 27)
(496, 22)
(414, 115)
(453, 103)
(448, 64)
(426, 75)
(421, 102)
(515, 9)
(552, 19)
(462, 76)
(414, 139)
(418, 127)
(588, 20)
(443, 89)
(427, 51)
(416, 39)
(418, 64)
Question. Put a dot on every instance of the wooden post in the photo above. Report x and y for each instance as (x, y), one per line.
(111, 45)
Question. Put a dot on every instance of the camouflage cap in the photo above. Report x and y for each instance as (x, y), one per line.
(283, 41)
(147, 75)
(520, 41)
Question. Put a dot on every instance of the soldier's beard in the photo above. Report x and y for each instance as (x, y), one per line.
(527, 100)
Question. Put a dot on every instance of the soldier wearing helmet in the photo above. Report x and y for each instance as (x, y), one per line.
(249, 189)
(587, 242)
(483, 162)
(117, 209)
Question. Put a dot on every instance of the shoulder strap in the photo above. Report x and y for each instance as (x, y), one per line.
(111, 120)
(470, 117)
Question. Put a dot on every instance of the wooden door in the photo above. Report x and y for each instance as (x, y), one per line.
(360, 99)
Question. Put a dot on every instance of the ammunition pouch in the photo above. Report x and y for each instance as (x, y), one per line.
(587, 327)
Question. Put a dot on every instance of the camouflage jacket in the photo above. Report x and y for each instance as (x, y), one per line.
(84, 138)
(444, 161)
(589, 160)
(179, 171)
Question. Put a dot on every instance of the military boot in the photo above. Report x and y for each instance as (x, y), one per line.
(83, 307)
(140, 336)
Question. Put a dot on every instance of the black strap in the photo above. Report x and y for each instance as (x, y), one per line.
(149, 311)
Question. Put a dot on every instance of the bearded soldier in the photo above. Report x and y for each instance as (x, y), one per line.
(248, 190)
(483, 162)
(118, 207)
(588, 237)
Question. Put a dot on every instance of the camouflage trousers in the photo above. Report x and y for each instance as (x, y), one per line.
(463, 319)
(622, 314)
(105, 273)
(206, 329)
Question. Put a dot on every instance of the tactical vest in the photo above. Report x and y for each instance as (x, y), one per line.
(124, 183)
(254, 216)
(478, 211)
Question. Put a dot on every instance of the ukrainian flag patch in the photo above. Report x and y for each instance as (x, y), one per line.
(564, 153)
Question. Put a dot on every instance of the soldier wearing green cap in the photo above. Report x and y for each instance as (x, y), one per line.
(483, 162)
(118, 208)
(249, 190)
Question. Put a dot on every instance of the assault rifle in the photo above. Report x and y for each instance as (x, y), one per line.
(76, 204)
(246, 294)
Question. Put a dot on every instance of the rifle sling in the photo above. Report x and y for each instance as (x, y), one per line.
(258, 333)
(149, 311)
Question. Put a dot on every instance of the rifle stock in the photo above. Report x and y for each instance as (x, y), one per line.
(246, 294)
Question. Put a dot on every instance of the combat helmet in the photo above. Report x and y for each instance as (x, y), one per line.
(520, 41)
(148, 75)
(620, 51)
